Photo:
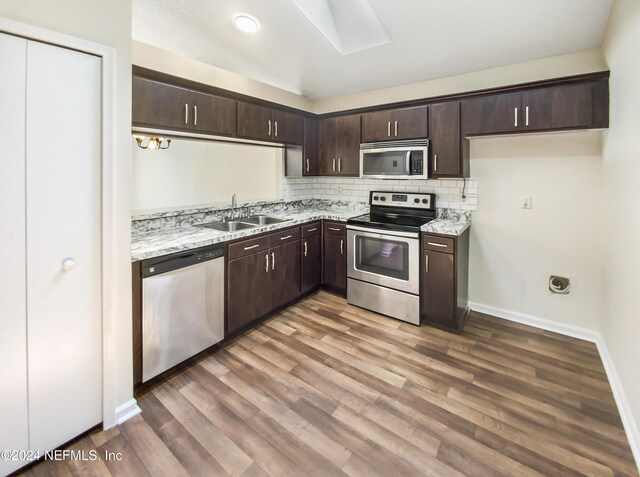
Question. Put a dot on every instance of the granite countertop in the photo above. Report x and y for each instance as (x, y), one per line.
(157, 242)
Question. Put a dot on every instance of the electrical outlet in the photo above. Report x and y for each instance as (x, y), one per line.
(526, 203)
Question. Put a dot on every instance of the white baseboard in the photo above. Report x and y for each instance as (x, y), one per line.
(127, 410)
(628, 421)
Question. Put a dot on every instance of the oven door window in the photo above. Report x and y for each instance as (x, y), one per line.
(387, 163)
(389, 258)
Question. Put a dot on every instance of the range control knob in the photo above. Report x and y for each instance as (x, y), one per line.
(424, 201)
(383, 198)
(416, 200)
(375, 197)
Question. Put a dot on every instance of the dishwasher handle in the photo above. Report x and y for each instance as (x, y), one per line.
(180, 260)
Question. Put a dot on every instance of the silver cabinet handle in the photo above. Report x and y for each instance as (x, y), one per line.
(331, 228)
(334, 164)
(515, 115)
(388, 128)
(526, 116)
(266, 260)
(275, 125)
(313, 229)
(287, 237)
(426, 263)
(341, 247)
(273, 260)
(195, 115)
(339, 164)
(396, 128)
(437, 244)
(307, 164)
(67, 264)
(252, 246)
(186, 114)
(435, 163)
(305, 248)
(269, 128)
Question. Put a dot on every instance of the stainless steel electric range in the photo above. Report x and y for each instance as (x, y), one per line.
(383, 250)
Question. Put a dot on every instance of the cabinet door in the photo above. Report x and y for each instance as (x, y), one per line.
(438, 289)
(335, 262)
(160, 105)
(327, 142)
(377, 126)
(560, 107)
(410, 123)
(254, 122)
(348, 145)
(13, 338)
(285, 273)
(445, 139)
(311, 262)
(310, 149)
(248, 290)
(64, 303)
(498, 113)
(288, 127)
(212, 114)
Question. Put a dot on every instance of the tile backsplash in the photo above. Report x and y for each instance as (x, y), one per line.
(448, 191)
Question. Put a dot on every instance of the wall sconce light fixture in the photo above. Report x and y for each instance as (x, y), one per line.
(153, 142)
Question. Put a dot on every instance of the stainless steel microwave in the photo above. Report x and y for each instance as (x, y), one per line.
(395, 160)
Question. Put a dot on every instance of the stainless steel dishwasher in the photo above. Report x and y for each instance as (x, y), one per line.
(182, 307)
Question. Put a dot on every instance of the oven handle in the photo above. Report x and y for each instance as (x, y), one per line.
(383, 233)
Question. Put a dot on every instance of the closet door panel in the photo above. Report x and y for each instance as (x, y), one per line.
(13, 321)
(64, 309)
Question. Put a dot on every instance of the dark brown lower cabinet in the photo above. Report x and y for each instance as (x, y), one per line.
(335, 260)
(248, 290)
(284, 275)
(311, 262)
(444, 283)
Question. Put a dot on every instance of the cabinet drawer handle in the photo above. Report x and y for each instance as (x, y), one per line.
(305, 248)
(275, 125)
(437, 244)
(252, 246)
(341, 247)
(396, 128)
(287, 237)
(388, 128)
(273, 260)
(515, 115)
(435, 163)
(307, 164)
(526, 116)
(266, 265)
(339, 164)
(334, 164)
(331, 228)
(269, 128)
(426, 263)
(313, 229)
(195, 115)
(186, 114)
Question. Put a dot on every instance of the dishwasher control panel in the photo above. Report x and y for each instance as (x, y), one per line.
(156, 266)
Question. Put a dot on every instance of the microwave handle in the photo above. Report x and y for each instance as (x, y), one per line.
(408, 165)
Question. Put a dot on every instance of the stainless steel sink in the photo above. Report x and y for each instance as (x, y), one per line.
(230, 226)
(264, 220)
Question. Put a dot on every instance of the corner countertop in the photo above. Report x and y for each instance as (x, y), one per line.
(155, 243)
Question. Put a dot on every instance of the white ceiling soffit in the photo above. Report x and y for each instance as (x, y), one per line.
(431, 39)
(350, 25)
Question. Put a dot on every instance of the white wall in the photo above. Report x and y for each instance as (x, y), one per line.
(514, 250)
(108, 23)
(622, 203)
(196, 173)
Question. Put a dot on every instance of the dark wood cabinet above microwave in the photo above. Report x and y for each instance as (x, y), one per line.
(395, 124)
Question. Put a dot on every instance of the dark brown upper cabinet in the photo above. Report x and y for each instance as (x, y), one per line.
(165, 106)
(408, 123)
(266, 124)
(541, 109)
(339, 146)
(446, 140)
(310, 148)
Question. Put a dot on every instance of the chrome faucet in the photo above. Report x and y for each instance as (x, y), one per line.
(234, 205)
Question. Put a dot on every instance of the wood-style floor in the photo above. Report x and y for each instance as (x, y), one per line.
(327, 389)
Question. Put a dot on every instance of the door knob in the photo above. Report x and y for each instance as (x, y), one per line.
(68, 264)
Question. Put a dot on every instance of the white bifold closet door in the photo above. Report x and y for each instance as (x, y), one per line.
(50, 210)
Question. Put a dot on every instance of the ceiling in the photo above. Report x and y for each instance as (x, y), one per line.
(430, 39)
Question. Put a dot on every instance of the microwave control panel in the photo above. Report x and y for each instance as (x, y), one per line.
(416, 163)
(409, 200)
